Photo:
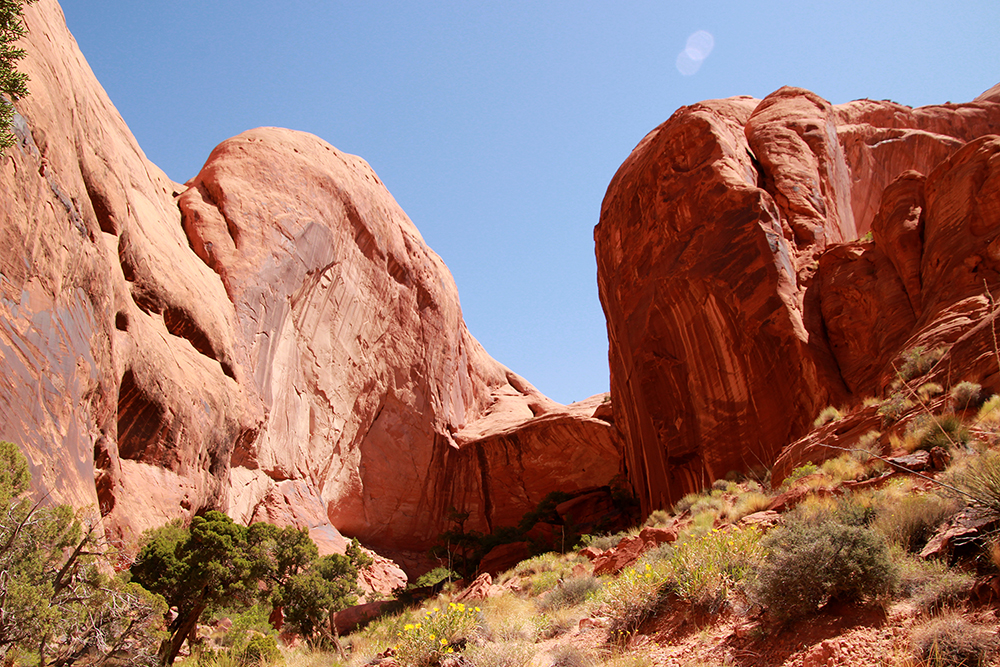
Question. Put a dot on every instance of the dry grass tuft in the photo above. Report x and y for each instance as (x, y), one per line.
(950, 639)
(508, 618)
(515, 653)
(911, 521)
(827, 415)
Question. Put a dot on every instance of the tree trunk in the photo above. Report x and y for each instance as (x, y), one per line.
(179, 630)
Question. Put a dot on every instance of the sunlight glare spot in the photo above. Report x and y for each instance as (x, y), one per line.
(699, 46)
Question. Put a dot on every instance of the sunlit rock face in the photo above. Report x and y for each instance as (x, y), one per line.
(739, 299)
(273, 338)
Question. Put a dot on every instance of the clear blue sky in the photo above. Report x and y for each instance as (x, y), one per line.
(497, 126)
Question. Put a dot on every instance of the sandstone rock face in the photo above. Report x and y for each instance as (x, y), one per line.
(107, 316)
(739, 299)
(273, 338)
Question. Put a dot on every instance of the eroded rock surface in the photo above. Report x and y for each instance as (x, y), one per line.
(273, 338)
(740, 300)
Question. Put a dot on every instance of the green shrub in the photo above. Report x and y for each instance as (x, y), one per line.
(58, 597)
(436, 633)
(931, 585)
(894, 407)
(946, 431)
(508, 618)
(855, 510)
(704, 570)
(845, 467)
(748, 503)
(989, 413)
(658, 518)
(571, 656)
(952, 640)
(711, 503)
(13, 84)
(435, 576)
(808, 563)
(919, 361)
(261, 650)
(800, 472)
(546, 562)
(928, 390)
(602, 542)
(965, 395)
(685, 503)
(570, 593)
(540, 582)
(500, 654)
(723, 485)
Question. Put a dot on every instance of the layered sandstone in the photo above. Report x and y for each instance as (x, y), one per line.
(273, 338)
(738, 297)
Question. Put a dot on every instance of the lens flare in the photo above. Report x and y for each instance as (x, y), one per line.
(699, 46)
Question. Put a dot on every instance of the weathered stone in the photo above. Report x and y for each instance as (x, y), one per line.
(629, 549)
(738, 303)
(587, 509)
(504, 557)
(764, 519)
(116, 341)
(966, 524)
(383, 576)
(481, 588)
(790, 498)
(914, 462)
(348, 620)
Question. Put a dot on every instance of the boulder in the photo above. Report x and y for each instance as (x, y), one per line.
(961, 528)
(504, 557)
(629, 549)
(789, 499)
(914, 462)
(763, 519)
(348, 620)
(383, 576)
(480, 589)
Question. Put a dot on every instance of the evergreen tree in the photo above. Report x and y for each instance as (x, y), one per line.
(12, 83)
(206, 565)
(58, 605)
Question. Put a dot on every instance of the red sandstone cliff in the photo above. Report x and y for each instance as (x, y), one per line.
(739, 300)
(273, 338)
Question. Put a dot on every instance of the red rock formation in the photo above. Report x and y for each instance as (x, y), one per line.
(628, 551)
(729, 327)
(114, 335)
(274, 338)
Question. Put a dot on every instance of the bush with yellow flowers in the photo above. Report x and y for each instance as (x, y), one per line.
(633, 597)
(707, 569)
(435, 633)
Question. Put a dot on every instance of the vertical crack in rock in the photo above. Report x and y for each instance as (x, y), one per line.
(142, 422)
(485, 477)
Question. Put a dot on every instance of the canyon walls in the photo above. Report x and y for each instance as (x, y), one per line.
(273, 338)
(740, 292)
